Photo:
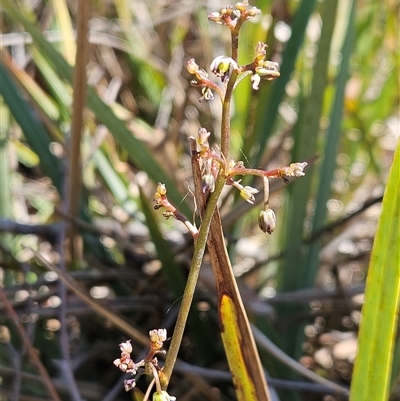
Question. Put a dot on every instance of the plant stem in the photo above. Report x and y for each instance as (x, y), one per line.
(191, 282)
(226, 117)
(201, 241)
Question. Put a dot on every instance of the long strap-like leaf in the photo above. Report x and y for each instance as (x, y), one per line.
(372, 371)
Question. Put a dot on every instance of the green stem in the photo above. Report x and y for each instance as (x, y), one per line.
(201, 241)
(191, 282)
(226, 117)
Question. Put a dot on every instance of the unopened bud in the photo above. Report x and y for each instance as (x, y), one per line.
(192, 66)
(215, 17)
(129, 384)
(252, 12)
(208, 183)
(126, 347)
(267, 221)
(158, 335)
(161, 189)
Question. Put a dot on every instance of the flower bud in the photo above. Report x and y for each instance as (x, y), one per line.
(129, 384)
(158, 335)
(126, 347)
(267, 221)
(255, 81)
(208, 183)
(242, 6)
(161, 189)
(215, 17)
(252, 12)
(207, 94)
(297, 169)
(192, 66)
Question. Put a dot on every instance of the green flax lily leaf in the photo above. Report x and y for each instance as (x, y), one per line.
(372, 372)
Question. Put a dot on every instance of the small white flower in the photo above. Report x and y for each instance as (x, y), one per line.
(126, 347)
(222, 66)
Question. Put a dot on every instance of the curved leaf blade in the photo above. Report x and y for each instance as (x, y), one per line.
(372, 372)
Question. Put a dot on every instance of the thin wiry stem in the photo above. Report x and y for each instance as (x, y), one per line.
(201, 239)
(191, 283)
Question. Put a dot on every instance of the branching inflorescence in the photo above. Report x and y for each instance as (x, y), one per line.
(215, 164)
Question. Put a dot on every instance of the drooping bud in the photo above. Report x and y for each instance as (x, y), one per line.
(208, 183)
(255, 81)
(267, 220)
(207, 94)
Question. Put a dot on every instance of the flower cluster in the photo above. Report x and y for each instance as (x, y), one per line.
(213, 163)
(261, 68)
(127, 365)
(161, 201)
(223, 66)
(209, 161)
(232, 16)
(149, 365)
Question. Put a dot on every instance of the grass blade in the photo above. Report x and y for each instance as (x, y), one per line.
(34, 131)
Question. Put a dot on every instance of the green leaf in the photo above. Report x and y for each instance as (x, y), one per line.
(372, 371)
(33, 129)
(328, 164)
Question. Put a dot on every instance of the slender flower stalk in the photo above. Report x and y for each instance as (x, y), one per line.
(212, 170)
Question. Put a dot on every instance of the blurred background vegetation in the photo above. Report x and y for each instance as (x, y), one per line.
(336, 105)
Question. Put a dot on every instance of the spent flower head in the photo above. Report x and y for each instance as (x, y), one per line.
(202, 145)
(194, 69)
